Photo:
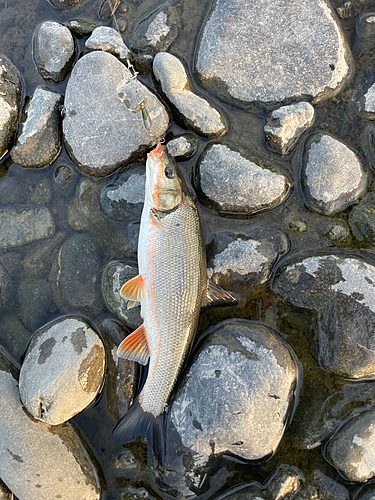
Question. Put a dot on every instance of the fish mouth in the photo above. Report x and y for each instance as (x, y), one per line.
(156, 153)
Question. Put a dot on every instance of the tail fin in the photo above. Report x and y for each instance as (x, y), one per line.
(137, 422)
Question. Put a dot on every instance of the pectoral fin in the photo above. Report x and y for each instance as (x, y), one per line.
(133, 290)
(215, 295)
(135, 346)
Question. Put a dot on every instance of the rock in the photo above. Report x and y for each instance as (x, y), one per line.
(131, 493)
(35, 301)
(63, 370)
(266, 52)
(229, 182)
(62, 470)
(114, 276)
(286, 124)
(65, 179)
(336, 230)
(341, 288)
(284, 483)
(362, 218)
(244, 492)
(237, 395)
(42, 193)
(156, 32)
(39, 139)
(80, 27)
(75, 276)
(5, 493)
(366, 492)
(53, 50)
(332, 176)
(13, 191)
(351, 449)
(6, 289)
(124, 196)
(183, 146)
(195, 112)
(297, 226)
(369, 104)
(328, 489)
(364, 33)
(108, 8)
(109, 40)
(37, 262)
(64, 4)
(101, 128)
(22, 224)
(84, 210)
(10, 103)
(122, 374)
(14, 336)
(238, 262)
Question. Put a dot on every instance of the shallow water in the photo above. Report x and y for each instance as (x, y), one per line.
(18, 19)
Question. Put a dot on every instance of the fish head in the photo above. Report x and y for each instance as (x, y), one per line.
(165, 185)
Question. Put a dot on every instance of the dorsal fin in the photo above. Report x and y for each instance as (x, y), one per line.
(133, 290)
(135, 346)
(215, 295)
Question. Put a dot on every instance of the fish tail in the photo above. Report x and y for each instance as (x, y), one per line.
(137, 422)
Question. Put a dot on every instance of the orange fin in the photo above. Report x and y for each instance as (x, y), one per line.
(132, 303)
(135, 346)
(133, 290)
(215, 295)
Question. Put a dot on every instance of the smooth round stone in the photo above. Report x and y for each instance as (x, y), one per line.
(267, 51)
(36, 462)
(14, 336)
(53, 50)
(183, 146)
(102, 127)
(362, 218)
(84, 212)
(80, 27)
(63, 370)
(332, 176)
(109, 40)
(196, 113)
(35, 301)
(10, 103)
(351, 449)
(114, 276)
(364, 33)
(229, 182)
(284, 483)
(39, 139)
(337, 231)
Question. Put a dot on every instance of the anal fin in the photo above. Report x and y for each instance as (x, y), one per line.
(215, 295)
(135, 346)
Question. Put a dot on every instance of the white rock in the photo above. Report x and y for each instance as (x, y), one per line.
(109, 40)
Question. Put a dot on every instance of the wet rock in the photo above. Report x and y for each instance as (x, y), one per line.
(64, 4)
(75, 276)
(332, 175)
(6, 289)
(237, 395)
(156, 32)
(183, 146)
(313, 58)
(22, 224)
(10, 103)
(114, 276)
(80, 27)
(341, 288)
(101, 128)
(12, 191)
(84, 211)
(125, 195)
(63, 370)
(35, 301)
(244, 492)
(39, 139)
(228, 181)
(14, 336)
(362, 218)
(65, 179)
(336, 230)
(239, 261)
(284, 483)
(194, 111)
(42, 193)
(125, 461)
(328, 489)
(53, 51)
(297, 226)
(108, 8)
(122, 374)
(364, 33)
(109, 40)
(286, 124)
(28, 472)
(366, 492)
(351, 449)
(39, 259)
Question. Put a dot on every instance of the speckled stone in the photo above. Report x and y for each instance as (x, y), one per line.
(341, 289)
(53, 50)
(39, 139)
(195, 112)
(62, 470)
(228, 181)
(183, 146)
(101, 129)
(332, 175)
(351, 449)
(284, 483)
(10, 103)
(286, 124)
(62, 371)
(22, 224)
(109, 40)
(262, 51)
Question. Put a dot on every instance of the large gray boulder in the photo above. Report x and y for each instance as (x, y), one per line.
(103, 126)
(267, 51)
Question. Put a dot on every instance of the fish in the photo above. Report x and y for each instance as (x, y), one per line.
(171, 287)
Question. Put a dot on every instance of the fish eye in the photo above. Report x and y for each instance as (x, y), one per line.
(169, 172)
